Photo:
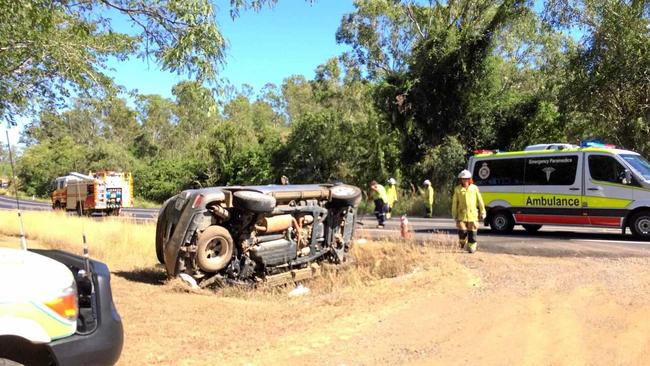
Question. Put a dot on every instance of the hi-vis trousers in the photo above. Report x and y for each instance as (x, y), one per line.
(467, 233)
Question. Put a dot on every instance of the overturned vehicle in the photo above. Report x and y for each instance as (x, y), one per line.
(251, 234)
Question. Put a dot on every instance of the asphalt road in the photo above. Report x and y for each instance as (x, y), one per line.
(549, 241)
(7, 202)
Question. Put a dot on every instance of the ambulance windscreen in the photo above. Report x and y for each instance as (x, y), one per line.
(639, 163)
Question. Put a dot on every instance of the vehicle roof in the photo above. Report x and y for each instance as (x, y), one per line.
(555, 152)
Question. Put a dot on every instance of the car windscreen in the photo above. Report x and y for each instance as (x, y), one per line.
(639, 163)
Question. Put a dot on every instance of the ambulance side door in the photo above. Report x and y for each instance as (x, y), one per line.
(553, 190)
(606, 193)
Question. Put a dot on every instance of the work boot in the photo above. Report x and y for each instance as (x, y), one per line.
(472, 247)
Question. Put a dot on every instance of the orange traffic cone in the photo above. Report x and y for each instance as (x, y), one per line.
(404, 227)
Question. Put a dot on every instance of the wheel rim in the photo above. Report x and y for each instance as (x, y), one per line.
(343, 191)
(215, 249)
(643, 225)
(500, 222)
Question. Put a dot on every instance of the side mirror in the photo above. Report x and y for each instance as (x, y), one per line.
(627, 177)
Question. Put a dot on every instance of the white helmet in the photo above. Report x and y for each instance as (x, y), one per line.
(427, 182)
(464, 174)
(392, 181)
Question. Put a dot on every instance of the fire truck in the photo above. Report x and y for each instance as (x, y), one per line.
(102, 192)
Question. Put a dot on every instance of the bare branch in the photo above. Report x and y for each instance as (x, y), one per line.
(411, 16)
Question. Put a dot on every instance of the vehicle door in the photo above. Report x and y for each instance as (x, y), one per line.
(607, 191)
(553, 190)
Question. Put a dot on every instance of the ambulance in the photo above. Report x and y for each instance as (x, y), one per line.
(593, 184)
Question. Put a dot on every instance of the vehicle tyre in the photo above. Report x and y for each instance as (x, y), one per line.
(532, 228)
(345, 195)
(640, 225)
(502, 222)
(253, 201)
(214, 249)
(57, 205)
(160, 250)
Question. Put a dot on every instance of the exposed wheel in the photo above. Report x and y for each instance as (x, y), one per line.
(214, 249)
(345, 195)
(253, 201)
(502, 222)
(640, 225)
(532, 228)
(57, 206)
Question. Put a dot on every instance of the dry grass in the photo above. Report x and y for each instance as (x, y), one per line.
(369, 264)
(122, 244)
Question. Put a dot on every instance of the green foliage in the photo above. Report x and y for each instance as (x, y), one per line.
(42, 163)
(443, 162)
(159, 179)
(610, 84)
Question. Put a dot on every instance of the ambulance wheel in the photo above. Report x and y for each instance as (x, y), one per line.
(501, 222)
(640, 225)
(532, 228)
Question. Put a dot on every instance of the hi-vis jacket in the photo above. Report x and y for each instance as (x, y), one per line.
(380, 194)
(467, 203)
(429, 194)
(391, 194)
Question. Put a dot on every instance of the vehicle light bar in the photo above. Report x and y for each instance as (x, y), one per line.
(596, 143)
(485, 151)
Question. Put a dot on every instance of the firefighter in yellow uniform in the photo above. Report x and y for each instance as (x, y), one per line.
(391, 194)
(466, 208)
(428, 197)
(378, 195)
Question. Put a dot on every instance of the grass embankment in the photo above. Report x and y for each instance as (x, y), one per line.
(370, 263)
(122, 244)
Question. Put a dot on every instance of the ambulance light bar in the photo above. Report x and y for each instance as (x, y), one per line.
(485, 151)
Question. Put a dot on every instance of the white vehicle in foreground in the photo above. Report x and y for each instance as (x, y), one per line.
(56, 308)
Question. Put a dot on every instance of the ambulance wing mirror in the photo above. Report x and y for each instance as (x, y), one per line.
(627, 177)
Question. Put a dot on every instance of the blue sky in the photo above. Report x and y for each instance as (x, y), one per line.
(294, 37)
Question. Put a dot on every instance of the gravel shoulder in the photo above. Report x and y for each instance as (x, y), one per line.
(486, 309)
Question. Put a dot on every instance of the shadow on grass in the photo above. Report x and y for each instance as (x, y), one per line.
(150, 275)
